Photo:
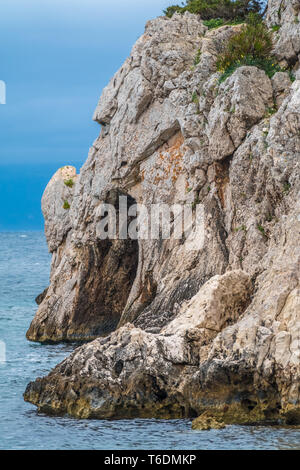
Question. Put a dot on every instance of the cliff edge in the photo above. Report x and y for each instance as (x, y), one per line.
(213, 331)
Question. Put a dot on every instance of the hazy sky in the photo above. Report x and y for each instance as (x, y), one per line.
(55, 57)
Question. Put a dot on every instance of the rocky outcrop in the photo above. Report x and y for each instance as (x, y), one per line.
(209, 329)
(89, 383)
(98, 278)
(56, 203)
(285, 16)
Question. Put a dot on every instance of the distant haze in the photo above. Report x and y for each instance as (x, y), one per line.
(56, 56)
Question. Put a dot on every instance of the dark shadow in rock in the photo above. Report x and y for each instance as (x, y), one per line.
(107, 274)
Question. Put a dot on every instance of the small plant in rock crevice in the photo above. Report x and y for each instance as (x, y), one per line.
(196, 202)
(261, 230)
(276, 28)
(70, 183)
(195, 98)
(286, 187)
(292, 75)
(242, 228)
(197, 58)
(270, 111)
(66, 205)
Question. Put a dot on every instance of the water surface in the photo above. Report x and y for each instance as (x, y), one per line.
(24, 272)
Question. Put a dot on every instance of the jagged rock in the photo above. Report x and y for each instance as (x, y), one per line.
(219, 303)
(231, 116)
(245, 413)
(200, 329)
(281, 83)
(285, 14)
(283, 134)
(142, 156)
(104, 376)
(212, 45)
(39, 299)
(56, 204)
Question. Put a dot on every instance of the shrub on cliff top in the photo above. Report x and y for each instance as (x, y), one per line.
(227, 10)
(251, 46)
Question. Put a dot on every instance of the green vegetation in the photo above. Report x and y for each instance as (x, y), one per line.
(66, 205)
(267, 65)
(243, 228)
(70, 183)
(271, 111)
(251, 46)
(262, 230)
(196, 202)
(292, 75)
(214, 23)
(226, 10)
(276, 28)
(217, 22)
(198, 57)
(195, 98)
(286, 187)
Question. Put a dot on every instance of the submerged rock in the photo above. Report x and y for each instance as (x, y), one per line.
(212, 331)
(206, 423)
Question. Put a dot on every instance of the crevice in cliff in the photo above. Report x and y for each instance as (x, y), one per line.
(107, 274)
(222, 178)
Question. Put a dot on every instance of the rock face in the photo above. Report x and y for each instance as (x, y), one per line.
(56, 202)
(211, 331)
(150, 370)
(286, 14)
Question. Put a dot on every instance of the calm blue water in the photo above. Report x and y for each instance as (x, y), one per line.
(24, 271)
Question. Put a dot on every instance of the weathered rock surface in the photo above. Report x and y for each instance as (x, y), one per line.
(57, 198)
(286, 14)
(88, 384)
(213, 331)
(231, 117)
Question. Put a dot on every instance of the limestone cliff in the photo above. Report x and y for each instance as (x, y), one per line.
(214, 331)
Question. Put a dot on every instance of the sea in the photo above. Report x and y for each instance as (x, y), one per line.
(24, 273)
